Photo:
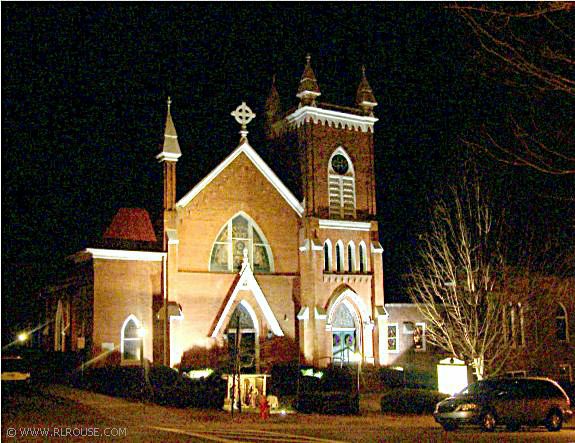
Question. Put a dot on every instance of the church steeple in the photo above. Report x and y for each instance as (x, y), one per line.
(308, 88)
(364, 97)
(171, 148)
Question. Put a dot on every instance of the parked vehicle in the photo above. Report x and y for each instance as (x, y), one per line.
(15, 370)
(513, 402)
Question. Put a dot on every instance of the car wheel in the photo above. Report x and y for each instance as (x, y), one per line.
(554, 421)
(488, 421)
(449, 426)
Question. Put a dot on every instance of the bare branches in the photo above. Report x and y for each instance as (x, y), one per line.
(454, 284)
(529, 46)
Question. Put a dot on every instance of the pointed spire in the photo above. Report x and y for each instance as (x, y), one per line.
(308, 87)
(273, 110)
(171, 148)
(364, 97)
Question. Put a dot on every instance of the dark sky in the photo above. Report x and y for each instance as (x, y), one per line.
(84, 89)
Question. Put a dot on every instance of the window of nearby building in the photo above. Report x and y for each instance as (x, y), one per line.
(131, 340)
(351, 257)
(392, 343)
(341, 185)
(327, 256)
(419, 337)
(362, 258)
(514, 324)
(561, 330)
(339, 256)
(238, 234)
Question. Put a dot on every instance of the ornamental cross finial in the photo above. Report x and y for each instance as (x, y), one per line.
(169, 102)
(243, 115)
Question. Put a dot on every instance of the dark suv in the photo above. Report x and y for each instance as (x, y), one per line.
(512, 402)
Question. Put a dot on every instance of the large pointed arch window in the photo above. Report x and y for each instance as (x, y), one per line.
(240, 233)
(341, 178)
(344, 334)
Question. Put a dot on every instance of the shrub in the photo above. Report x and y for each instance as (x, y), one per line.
(163, 385)
(411, 401)
(334, 393)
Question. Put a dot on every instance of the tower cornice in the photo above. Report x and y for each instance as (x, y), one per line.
(307, 114)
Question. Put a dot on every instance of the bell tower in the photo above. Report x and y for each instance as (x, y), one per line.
(341, 267)
(336, 151)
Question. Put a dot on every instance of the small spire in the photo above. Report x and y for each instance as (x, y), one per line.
(272, 109)
(364, 97)
(171, 148)
(308, 87)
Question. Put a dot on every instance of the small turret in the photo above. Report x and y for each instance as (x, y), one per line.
(364, 97)
(273, 112)
(308, 89)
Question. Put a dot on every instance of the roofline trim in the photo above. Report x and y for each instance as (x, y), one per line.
(266, 171)
(335, 118)
(119, 254)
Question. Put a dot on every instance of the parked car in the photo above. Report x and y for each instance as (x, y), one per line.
(513, 402)
(15, 370)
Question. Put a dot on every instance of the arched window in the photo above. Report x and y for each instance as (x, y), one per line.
(344, 334)
(242, 321)
(351, 257)
(362, 258)
(341, 185)
(339, 256)
(240, 233)
(131, 340)
(561, 330)
(327, 256)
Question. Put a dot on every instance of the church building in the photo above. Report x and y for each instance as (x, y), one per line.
(300, 270)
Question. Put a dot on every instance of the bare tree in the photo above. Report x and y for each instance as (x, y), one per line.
(529, 47)
(455, 281)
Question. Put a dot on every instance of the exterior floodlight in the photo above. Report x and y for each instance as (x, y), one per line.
(141, 332)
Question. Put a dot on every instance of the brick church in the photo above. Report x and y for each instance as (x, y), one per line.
(300, 266)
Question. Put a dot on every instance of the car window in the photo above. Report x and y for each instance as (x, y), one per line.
(542, 389)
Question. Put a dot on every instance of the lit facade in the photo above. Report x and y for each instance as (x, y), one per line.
(304, 274)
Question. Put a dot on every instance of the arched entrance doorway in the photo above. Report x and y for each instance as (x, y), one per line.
(244, 343)
(345, 334)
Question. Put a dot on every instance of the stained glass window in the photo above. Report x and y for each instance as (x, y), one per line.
(240, 234)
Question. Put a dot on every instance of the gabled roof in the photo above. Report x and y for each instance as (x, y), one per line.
(247, 282)
(245, 148)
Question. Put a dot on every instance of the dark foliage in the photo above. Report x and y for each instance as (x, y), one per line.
(334, 393)
(161, 385)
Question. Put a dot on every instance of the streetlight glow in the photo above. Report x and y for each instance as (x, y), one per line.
(22, 337)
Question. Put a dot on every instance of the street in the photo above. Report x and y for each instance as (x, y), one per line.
(56, 413)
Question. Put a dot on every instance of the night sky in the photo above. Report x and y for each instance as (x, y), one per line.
(84, 89)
